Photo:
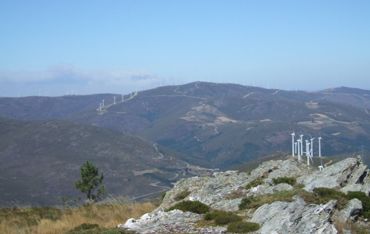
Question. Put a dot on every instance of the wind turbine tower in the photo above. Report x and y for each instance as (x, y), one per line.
(320, 146)
(299, 149)
(312, 147)
(301, 141)
(295, 148)
(308, 154)
(293, 134)
(114, 100)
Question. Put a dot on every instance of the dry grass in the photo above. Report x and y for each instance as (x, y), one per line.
(355, 228)
(27, 221)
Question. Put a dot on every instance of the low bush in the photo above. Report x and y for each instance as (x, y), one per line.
(254, 183)
(222, 217)
(255, 202)
(366, 214)
(191, 206)
(87, 228)
(243, 227)
(287, 180)
(326, 194)
(182, 195)
(246, 202)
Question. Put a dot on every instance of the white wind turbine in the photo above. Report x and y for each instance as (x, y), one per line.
(321, 167)
(299, 149)
(293, 134)
(308, 152)
(312, 138)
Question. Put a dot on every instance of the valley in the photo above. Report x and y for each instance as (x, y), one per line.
(155, 137)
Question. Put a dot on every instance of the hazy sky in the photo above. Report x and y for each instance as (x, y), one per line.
(55, 47)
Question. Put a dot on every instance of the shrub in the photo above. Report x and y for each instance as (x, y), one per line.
(182, 195)
(191, 206)
(326, 194)
(86, 226)
(246, 202)
(255, 202)
(254, 183)
(222, 217)
(286, 180)
(366, 214)
(308, 197)
(243, 227)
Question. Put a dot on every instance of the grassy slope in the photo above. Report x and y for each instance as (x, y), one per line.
(56, 221)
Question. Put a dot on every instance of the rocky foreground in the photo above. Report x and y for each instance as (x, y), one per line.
(282, 196)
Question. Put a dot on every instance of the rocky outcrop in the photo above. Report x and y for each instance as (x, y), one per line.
(226, 190)
(295, 217)
(347, 175)
(174, 221)
(351, 211)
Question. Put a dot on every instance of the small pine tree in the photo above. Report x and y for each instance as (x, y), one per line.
(91, 182)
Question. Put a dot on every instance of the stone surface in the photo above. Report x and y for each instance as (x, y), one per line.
(225, 190)
(352, 210)
(174, 221)
(344, 174)
(295, 217)
(209, 190)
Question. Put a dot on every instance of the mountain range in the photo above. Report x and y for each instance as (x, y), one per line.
(205, 124)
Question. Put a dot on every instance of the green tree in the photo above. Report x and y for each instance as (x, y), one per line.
(91, 182)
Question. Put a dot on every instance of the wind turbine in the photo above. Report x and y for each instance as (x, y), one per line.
(301, 141)
(295, 148)
(299, 149)
(293, 134)
(308, 153)
(320, 146)
(321, 167)
(312, 138)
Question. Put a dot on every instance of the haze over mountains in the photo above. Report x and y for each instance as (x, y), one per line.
(206, 124)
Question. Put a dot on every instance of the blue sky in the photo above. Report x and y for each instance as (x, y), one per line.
(74, 46)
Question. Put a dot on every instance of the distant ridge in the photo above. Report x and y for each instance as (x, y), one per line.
(213, 124)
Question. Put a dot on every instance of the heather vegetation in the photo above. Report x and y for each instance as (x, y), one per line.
(243, 227)
(286, 180)
(191, 206)
(257, 201)
(222, 217)
(254, 183)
